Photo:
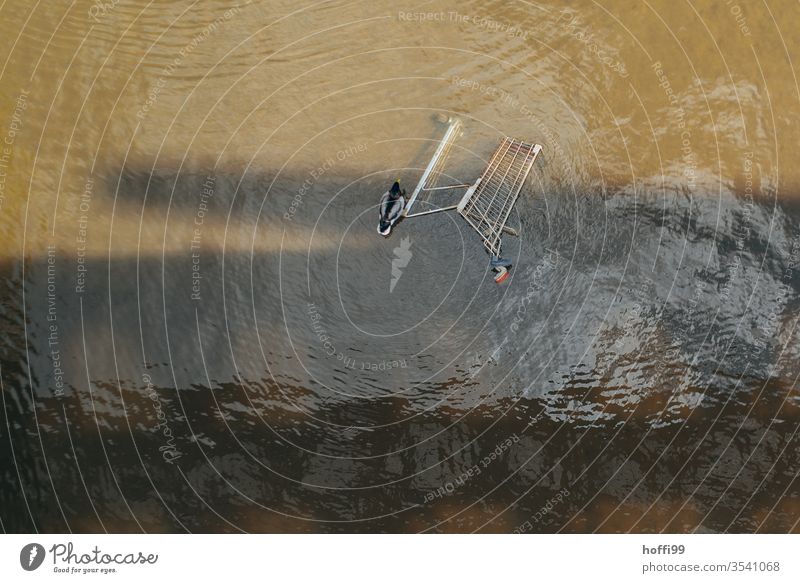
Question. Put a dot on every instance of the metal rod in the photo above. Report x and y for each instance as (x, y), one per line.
(447, 208)
(421, 184)
(447, 187)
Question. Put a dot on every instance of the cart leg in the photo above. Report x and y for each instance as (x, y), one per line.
(499, 262)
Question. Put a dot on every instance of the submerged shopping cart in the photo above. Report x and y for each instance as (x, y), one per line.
(487, 203)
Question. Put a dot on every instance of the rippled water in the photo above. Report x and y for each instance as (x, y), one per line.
(203, 332)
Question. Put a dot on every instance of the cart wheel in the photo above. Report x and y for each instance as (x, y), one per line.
(502, 275)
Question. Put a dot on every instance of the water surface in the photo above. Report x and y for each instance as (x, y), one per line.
(203, 332)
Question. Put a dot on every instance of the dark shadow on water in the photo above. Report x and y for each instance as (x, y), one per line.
(640, 388)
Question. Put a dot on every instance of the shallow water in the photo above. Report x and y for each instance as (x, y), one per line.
(203, 332)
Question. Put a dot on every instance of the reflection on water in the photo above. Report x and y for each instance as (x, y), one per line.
(202, 331)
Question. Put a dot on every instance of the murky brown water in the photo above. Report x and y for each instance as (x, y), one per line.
(200, 329)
